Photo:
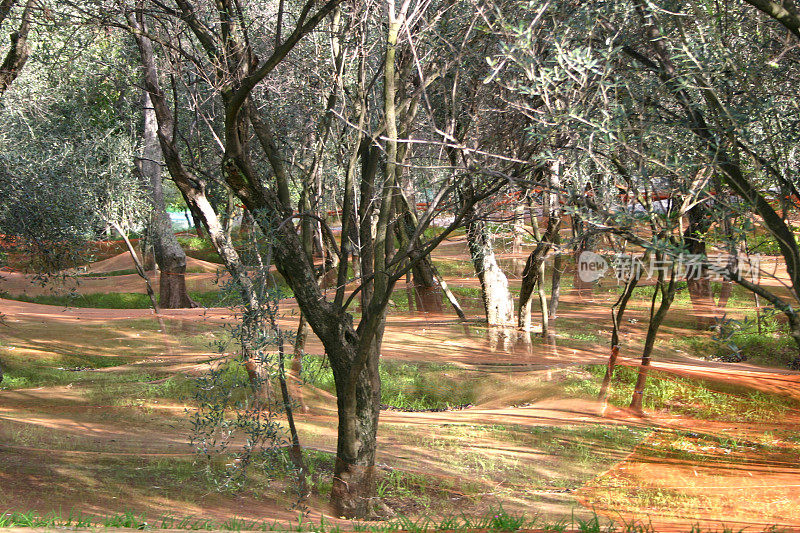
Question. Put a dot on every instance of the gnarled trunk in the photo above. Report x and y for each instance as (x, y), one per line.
(358, 406)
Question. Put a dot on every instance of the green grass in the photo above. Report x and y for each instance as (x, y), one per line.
(34, 374)
(561, 458)
(700, 446)
(456, 269)
(771, 346)
(767, 349)
(695, 398)
(113, 300)
(63, 368)
(407, 386)
(494, 519)
(139, 389)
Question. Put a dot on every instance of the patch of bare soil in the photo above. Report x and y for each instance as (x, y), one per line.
(690, 479)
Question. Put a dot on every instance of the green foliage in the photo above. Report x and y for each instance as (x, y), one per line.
(766, 244)
(195, 243)
(68, 141)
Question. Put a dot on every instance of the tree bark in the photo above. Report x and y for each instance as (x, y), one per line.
(358, 406)
(698, 282)
(169, 255)
(497, 301)
(555, 281)
(534, 272)
(18, 52)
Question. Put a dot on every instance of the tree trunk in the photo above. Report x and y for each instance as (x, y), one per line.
(518, 228)
(428, 283)
(497, 301)
(667, 291)
(543, 301)
(448, 293)
(532, 275)
(534, 272)
(794, 331)
(555, 282)
(17, 54)
(617, 312)
(698, 282)
(358, 409)
(427, 293)
(168, 252)
(138, 264)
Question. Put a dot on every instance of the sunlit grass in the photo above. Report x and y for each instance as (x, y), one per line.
(679, 395)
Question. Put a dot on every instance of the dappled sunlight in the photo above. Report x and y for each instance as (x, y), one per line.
(524, 441)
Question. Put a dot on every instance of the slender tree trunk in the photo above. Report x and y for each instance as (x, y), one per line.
(228, 213)
(296, 368)
(17, 54)
(698, 282)
(543, 301)
(555, 281)
(138, 264)
(617, 312)
(197, 220)
(169, 255)
(295, 449)
(448, 293)
(428, 283)
(534, 272)
(518, 229)
(667, 291)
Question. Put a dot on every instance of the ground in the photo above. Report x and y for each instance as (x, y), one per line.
(96, 407)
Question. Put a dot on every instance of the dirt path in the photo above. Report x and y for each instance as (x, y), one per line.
(442, 339)
(89, 432)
